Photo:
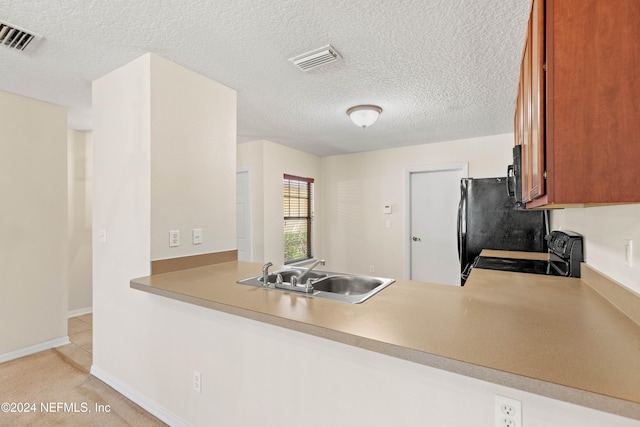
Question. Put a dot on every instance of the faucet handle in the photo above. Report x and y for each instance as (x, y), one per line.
(308, 287)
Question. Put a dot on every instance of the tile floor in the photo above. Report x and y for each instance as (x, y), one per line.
(80, 350)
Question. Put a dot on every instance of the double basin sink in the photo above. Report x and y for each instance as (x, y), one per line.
(348, 288)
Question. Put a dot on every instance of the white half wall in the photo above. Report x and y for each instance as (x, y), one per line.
(256, 374)
(33, 224)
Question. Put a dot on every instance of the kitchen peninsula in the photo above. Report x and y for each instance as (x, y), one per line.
(555, 337)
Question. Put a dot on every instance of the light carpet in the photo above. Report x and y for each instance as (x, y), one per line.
(46, 389)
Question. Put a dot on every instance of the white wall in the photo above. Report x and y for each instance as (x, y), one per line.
(356, 186)
(33, 224)
(250, 157)
(605, 230)
(192, 122)
(133, 343)
(269, 162)
(122, 208)
(79, 154)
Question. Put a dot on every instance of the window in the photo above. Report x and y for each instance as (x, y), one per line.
(298, 213)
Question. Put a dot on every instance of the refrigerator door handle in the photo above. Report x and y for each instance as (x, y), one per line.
(511, 191)
(459, 236)
(462, 208)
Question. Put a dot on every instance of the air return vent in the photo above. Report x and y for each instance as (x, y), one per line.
(315, 58)
(16, 38)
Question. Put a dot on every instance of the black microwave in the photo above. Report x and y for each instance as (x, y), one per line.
(514, 177)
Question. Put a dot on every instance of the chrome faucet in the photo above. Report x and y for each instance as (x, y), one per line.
(304, 274)
(265, 273)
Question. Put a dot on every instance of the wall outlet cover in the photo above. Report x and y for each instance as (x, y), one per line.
(174, 238)
(507, 412)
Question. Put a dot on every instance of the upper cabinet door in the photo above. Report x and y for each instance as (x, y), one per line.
(537, 166)
(526, 121)
(578, 114)
(529, 120)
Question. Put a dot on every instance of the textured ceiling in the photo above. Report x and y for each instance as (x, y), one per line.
(440, 69)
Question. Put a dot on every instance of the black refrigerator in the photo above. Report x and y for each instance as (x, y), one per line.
(487, 219)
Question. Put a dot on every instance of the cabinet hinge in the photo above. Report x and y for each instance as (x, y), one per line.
(544, 66)
(545, 174)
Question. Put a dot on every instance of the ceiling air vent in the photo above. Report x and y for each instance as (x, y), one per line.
(16, 38)
(315, 58)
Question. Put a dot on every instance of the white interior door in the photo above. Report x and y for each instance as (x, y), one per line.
(433, 243)
(243, 215)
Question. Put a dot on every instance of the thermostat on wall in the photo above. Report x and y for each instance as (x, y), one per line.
(387, 208)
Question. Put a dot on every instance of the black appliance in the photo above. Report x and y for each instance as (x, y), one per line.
(514, 177)
(487, 219)
(565, 255)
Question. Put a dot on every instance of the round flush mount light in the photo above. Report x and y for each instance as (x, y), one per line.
(364, 115)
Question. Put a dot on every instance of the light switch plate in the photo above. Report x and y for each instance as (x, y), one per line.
(197, 236)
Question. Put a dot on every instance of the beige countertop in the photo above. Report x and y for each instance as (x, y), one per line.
(552, 336)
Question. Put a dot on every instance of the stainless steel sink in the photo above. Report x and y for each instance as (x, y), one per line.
(347, 285)
(349, 288)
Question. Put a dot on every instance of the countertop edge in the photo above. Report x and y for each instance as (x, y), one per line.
(543, 388)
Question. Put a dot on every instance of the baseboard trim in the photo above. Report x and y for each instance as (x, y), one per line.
(147, 404)
(80, 312)
(32, 349)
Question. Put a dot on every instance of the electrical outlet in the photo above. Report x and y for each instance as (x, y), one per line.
(197, 381)
(174, 238)
(372, 269)
(628, 253)
(507, 412)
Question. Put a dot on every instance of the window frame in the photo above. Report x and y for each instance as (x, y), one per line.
(308, 217)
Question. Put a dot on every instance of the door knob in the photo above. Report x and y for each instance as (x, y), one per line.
(416, 239)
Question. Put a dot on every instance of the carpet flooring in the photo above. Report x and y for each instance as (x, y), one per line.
(48, 389)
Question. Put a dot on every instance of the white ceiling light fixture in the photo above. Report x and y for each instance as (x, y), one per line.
(364, 115)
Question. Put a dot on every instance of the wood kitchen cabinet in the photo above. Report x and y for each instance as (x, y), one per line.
(578, 104)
